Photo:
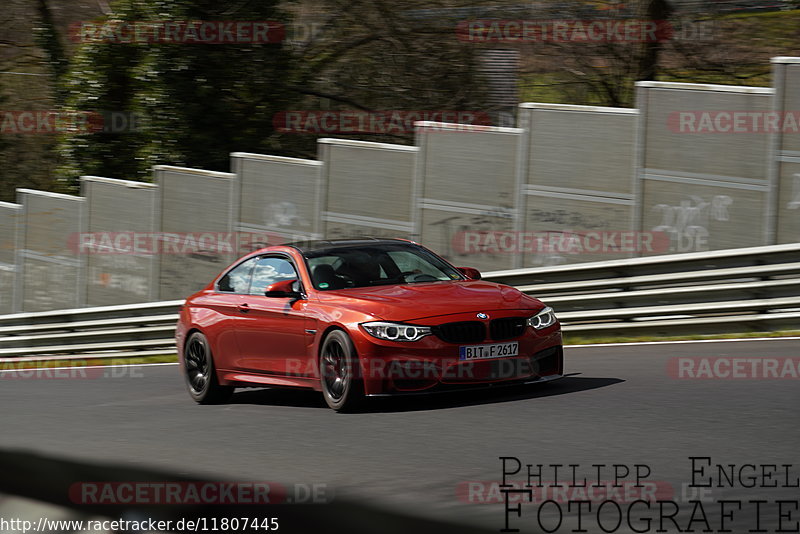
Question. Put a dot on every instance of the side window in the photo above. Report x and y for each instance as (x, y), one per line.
(270, 270)
(237, 280)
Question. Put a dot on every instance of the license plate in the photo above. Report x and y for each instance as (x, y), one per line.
(484, 352)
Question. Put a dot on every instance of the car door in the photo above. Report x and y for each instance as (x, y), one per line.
(270, 330)
(223, 304)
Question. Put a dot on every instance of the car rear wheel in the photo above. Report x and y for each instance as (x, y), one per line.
(342, 387)
(200, 374)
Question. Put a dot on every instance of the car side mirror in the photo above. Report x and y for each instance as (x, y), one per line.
(470, 273)
(283, 289)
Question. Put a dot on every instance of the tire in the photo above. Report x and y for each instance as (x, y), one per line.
(339, 373)
(200, 373)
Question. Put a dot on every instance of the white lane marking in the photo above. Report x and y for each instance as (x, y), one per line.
(28, 369)
(686, 342)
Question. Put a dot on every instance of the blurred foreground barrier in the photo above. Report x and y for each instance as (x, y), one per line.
(739, 290)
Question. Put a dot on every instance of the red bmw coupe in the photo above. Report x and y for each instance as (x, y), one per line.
(356, 318)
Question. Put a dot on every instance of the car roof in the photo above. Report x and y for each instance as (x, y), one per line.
(319, 245)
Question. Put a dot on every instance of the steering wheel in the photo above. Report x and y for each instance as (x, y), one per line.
(348, 280)
(423, 277)
(418, 276)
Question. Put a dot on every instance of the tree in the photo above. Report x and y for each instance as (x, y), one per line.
(25, 85)
(653, 10)
(204, 101)
(196, 103)
(193, 103)
(700, 42)
(379, 55)
(47, 38)
(104, 80)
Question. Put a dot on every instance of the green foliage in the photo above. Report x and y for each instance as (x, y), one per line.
(193, 103)
(209, 100)
(196, 103)
(105, 77)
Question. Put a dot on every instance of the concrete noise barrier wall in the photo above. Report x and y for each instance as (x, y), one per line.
(578, 184)
(369, 189)
(702, 164)
(120, 244)
(279, 198)
(10, 215)
(785, 164)
(198, 210)
(467, 187)
(51, 266)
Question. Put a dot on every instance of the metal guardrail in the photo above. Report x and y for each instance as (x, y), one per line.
(737, 290)
(748, 289)
(127, 331)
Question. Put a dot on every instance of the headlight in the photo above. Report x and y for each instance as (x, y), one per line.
(543, 319)
(396, 331)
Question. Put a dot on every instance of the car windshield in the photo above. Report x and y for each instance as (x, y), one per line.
(373, 265)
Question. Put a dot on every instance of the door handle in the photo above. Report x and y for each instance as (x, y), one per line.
(244, 308)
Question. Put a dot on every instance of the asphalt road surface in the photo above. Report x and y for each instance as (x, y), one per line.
(438, 456)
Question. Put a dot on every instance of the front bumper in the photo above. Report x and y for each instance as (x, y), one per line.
(431, 364)
(399, 388)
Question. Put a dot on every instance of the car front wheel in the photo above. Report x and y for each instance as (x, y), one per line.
(342, 387)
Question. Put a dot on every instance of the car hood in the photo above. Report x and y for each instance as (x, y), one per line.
(418, 301)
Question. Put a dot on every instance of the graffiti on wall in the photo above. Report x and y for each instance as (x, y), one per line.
(121, 273)
(568, 223)
(687, 223)
(283, 215)
(499, 218)
(570, 219)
